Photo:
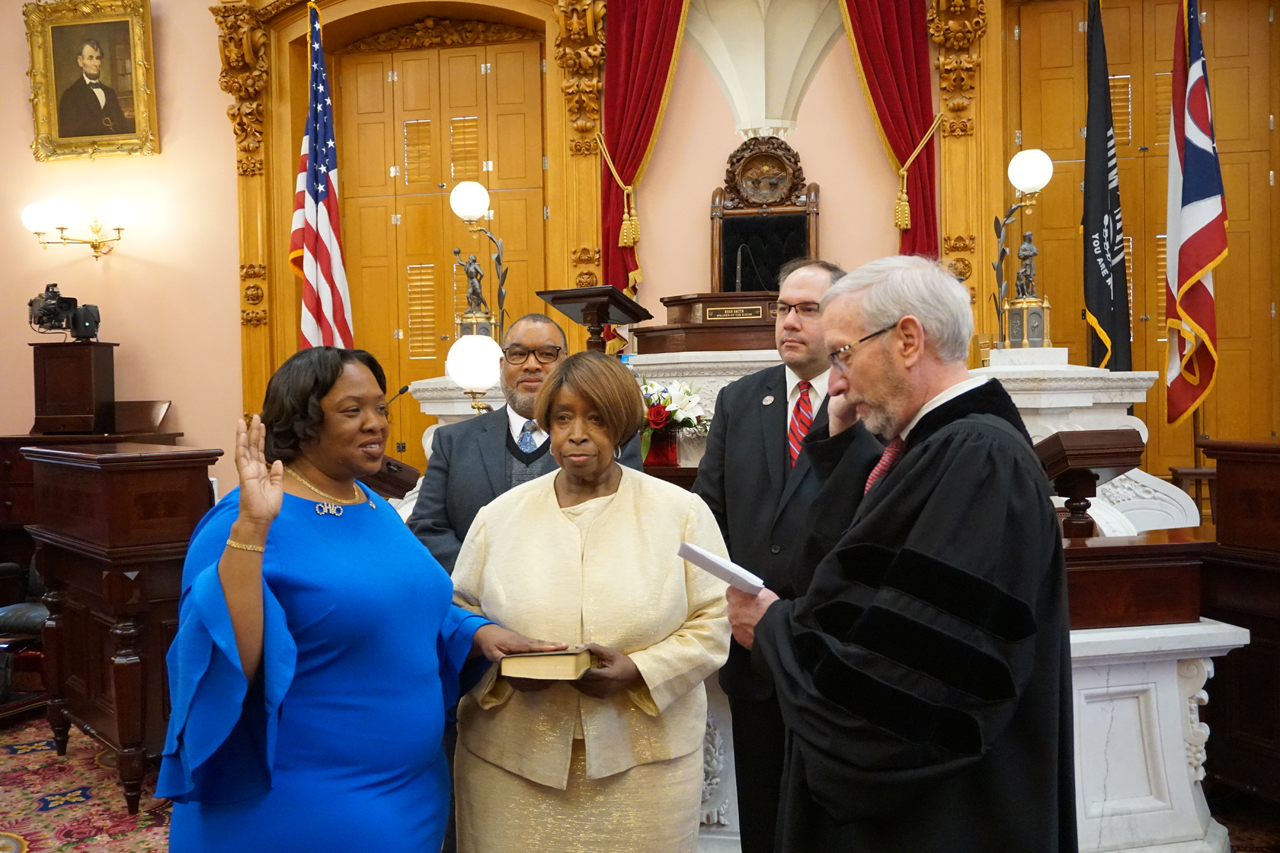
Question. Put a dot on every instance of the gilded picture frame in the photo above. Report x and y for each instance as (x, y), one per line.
(92, 78)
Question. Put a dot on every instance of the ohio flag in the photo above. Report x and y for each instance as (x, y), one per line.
(315, 246)
(1197, 229)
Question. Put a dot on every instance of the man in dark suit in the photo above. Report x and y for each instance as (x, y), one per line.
(474, 461)
(760, 488)
(87, 107)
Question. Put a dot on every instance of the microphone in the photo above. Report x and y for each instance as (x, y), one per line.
(397, 395)
(738, 282)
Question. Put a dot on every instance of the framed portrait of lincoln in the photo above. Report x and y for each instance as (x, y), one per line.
(92, 78)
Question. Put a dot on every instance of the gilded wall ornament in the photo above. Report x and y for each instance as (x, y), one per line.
(432, 32)
(961, 268)
(957, 26)
(242, 45)
(951, 245)
(584, 256)
(587, 278)
(270, 10)
(959, 127)
(249, 166)
(253, 294)
(253, 271)
(253, 318)
(580, 51)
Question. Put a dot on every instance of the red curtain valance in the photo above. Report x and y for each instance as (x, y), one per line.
(890, 43)
(641, 47)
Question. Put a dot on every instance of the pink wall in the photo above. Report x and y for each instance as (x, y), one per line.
(839, 149)
(169, 294)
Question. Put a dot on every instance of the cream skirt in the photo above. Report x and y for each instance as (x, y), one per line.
(651, 808)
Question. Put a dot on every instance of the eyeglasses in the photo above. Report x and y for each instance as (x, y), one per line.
(519, 355)
(807, 310)
(841, 357)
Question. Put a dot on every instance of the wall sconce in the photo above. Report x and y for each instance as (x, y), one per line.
(470, 203)
(473, 365)
(60, 214)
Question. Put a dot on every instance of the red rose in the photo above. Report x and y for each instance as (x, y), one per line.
(658, 416)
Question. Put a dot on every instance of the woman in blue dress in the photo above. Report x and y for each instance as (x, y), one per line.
(317, 646)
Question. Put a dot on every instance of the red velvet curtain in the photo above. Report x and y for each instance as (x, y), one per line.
(642, 38)
(891, 43)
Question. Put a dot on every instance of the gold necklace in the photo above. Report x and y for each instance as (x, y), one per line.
(334, 504)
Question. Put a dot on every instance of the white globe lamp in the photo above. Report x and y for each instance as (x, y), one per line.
(470, 201)
(1029, 171)
(473, 365)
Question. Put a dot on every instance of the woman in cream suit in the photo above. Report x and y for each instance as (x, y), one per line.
(587, 554)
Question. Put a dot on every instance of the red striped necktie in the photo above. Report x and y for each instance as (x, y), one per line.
(801, 420)
(886, 462)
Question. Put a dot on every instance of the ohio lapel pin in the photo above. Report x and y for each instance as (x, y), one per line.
(767, 400)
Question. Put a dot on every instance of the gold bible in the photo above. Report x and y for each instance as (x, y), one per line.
(567, 665)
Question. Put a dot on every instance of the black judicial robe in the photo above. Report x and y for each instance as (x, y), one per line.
(925, 678)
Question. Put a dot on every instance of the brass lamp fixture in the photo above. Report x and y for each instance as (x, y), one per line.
(59, 214)
(470, 202)
(1023, 321)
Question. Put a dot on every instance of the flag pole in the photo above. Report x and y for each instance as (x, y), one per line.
(1197, 453)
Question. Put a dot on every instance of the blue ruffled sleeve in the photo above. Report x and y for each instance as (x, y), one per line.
(457, 633)
(222, 728)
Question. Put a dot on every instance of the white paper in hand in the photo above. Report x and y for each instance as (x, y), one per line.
(729, 572)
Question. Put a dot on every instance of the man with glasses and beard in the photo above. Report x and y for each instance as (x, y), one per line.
(87, 107)
(474, 461)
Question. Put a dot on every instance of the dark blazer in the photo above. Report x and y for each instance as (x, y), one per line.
(467, 468)
(762, 508)
(80, 115)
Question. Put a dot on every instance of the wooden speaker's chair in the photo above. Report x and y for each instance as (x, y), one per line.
(764, 216)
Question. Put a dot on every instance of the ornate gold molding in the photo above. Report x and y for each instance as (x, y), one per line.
(242, 44)
(253, 270)
(432, 32)
(587, 279)
(270, 10)
(585, 256)
(253, 292)
(959, 244)
(253, 318)
(957, 25)
(580, 52)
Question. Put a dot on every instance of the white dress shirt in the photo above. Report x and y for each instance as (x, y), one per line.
(102, 96)
(516, 421)
(817, 391)
(949, 394)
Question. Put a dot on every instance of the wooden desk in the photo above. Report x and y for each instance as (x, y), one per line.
(1241, 585)
(17, 487)
(113, 522)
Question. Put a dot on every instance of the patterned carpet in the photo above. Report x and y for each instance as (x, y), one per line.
(53, 803)
(49, 803)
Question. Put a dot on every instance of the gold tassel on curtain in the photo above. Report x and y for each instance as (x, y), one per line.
(629, 233)
(902, 207)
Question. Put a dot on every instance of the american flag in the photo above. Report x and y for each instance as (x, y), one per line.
(315, 247)
(1197, 226)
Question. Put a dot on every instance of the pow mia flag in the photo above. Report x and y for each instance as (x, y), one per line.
(1106, 284)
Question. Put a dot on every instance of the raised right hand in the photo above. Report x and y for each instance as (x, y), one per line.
(261, 485)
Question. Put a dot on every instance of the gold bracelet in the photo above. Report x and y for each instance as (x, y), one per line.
(243, 547)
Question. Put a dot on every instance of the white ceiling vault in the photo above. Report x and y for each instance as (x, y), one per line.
(764, 54)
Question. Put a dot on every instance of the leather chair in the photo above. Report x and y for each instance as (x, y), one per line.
(22, 618)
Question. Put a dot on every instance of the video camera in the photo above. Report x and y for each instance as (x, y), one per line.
(52, 312)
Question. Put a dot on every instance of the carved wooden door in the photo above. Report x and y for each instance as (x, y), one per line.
(413, 124)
